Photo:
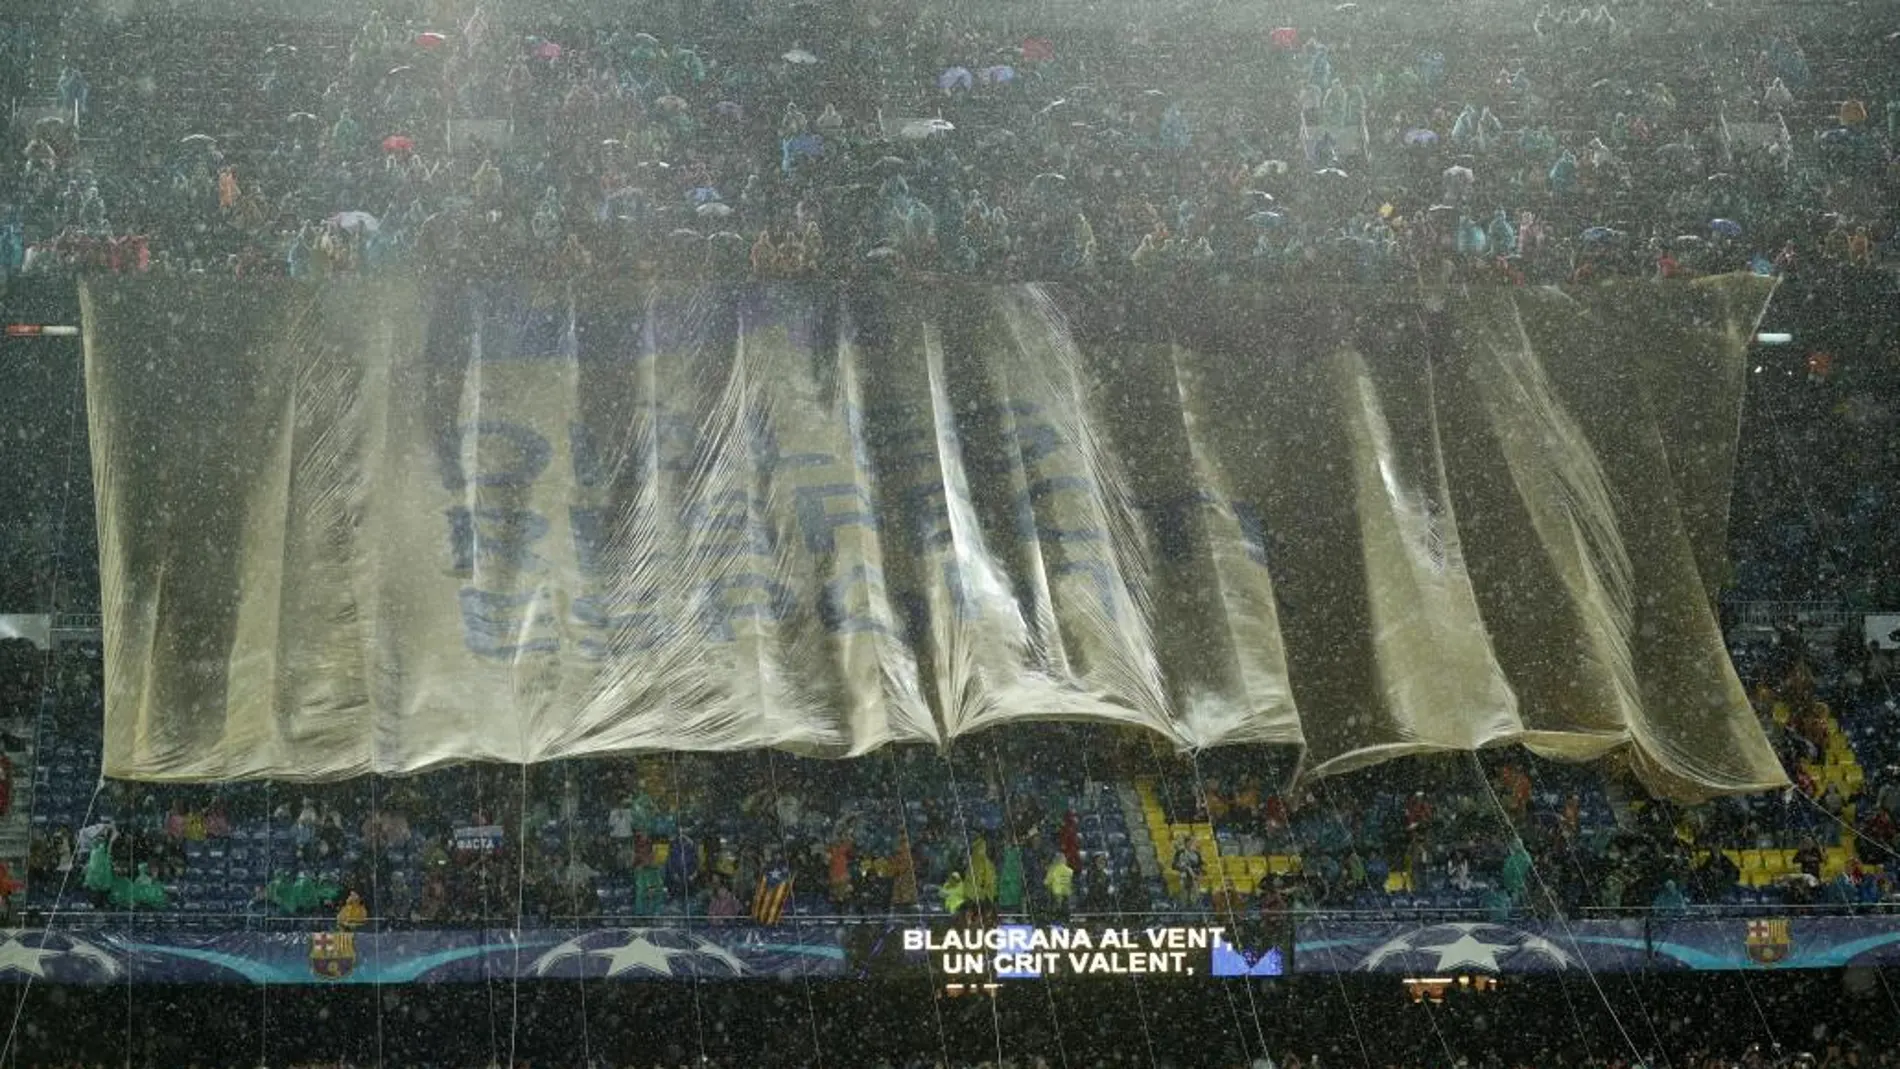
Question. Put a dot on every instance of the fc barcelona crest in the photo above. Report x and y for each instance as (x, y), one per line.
(332, 954)
(1769, 942)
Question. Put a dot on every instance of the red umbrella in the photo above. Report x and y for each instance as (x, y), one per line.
(1038, 50)
(430, 39)
(398, 143)
(547, 50)
(1285, 38)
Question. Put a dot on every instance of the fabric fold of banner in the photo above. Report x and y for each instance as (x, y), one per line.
(381, 526)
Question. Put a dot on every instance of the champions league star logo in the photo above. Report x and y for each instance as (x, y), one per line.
(46, 955)
(659, 951)
(1467, 947)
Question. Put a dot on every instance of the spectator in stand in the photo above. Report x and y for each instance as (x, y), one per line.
(955, 898)
(982, 881)
(838, 873)
(1669, 901)
(354, 913)
(903, 876)
(1097, 894)
(724, 907)
(1010, 879)
(1059, 880)
(1809, 858)
(1188, 866)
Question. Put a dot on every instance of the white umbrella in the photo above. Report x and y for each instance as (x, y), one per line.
(799, 56)
(363, 221)
(919, 129)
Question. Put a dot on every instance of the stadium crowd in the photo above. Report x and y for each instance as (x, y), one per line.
(1044, 820)
(828, 142)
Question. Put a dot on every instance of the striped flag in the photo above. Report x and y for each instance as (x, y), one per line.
(775, 890)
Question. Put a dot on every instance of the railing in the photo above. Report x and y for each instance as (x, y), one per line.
(78, 621)
(84, 919)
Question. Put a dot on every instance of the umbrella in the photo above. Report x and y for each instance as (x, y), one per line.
(730, 109)
(1000, 75)
(197, 139)
(1285, 38)
(281, 49)
(702, 194)
(397, 72)
(1038, 50)
(1418, 135)
(430, 39)
(1048, 184)
(398, 143)
(1266, 219)
(955, 78)
(1330, 172)
(1598, 234)
(547, 50)
(714, 209)
(1728, 228)
(670, 102)
(799, 56)
(363, 221)
(302, 116)
(923, 128)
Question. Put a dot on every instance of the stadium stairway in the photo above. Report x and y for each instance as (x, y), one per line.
(1222, 871)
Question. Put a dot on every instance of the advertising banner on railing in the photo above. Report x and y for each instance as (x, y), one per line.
(1436, 948)
(1629, 944)
(433, 956)
(877, 949)
(1775, 943)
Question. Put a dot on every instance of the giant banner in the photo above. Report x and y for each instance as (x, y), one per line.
(372, 526)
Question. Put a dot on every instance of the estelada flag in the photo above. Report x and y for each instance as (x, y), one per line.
(775, 889)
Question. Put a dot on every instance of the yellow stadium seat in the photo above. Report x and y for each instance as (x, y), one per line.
(1752, 862)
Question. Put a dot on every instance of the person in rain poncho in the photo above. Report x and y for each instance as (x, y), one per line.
(1059, 880)
(354, 913)
(954, 895)
(649, 889)
(982, 874)
(98, 878)
(1010, 879)
(145, 892)
(1517, 866)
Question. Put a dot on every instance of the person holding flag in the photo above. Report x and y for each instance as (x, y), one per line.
(773, 894)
